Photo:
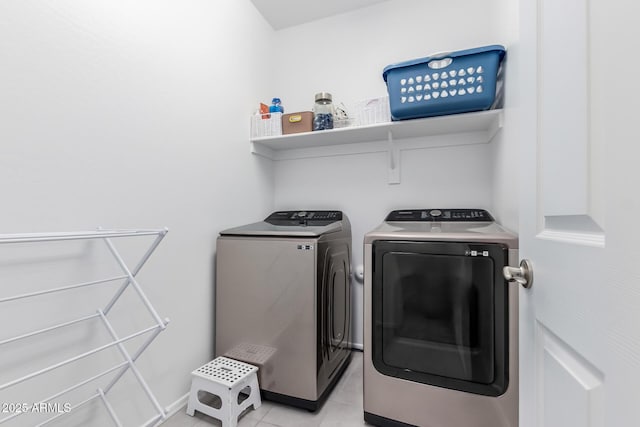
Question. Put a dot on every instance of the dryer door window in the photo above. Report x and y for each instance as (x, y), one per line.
(440, 313)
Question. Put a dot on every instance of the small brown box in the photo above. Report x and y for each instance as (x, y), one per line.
(297, 122)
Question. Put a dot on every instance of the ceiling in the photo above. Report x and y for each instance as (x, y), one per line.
(287, 13)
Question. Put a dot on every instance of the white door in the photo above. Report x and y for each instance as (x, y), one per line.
(578, 114)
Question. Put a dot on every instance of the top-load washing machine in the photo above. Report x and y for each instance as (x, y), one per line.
(441, 322)
(283, 302)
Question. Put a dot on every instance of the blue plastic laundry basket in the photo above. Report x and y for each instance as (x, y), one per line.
(446, 83)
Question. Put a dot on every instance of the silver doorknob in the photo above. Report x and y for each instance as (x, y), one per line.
(522, 275)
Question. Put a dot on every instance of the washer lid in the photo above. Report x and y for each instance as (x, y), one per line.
(293, 224)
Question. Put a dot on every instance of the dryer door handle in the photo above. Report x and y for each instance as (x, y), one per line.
(522, 275)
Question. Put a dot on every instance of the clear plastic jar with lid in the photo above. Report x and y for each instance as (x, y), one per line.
(323, 111)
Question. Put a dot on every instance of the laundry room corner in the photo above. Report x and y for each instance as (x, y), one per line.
(505, 146)
(358, 183)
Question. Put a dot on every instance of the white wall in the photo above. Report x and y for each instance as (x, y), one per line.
(345, 55)
(130, 115)
(506, 145)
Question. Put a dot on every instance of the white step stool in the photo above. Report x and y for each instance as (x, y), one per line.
(225, 378)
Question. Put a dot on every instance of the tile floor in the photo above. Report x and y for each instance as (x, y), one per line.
(343, 408)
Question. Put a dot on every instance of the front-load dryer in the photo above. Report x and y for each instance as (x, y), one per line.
(283, 302)
(441, 322)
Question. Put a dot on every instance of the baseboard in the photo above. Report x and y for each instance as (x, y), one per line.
(172, 408)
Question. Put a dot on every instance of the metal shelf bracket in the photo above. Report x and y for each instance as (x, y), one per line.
(393, 155)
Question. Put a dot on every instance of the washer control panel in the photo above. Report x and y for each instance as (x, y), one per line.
(304, 218)
(443, 215)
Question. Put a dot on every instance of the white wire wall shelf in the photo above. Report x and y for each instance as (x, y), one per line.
(128, 279)
(433, 132)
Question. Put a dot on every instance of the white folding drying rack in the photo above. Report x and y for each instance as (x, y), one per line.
(128, 279)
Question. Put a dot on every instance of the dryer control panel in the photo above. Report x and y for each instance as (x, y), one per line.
(304, 218)
(442, 215)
